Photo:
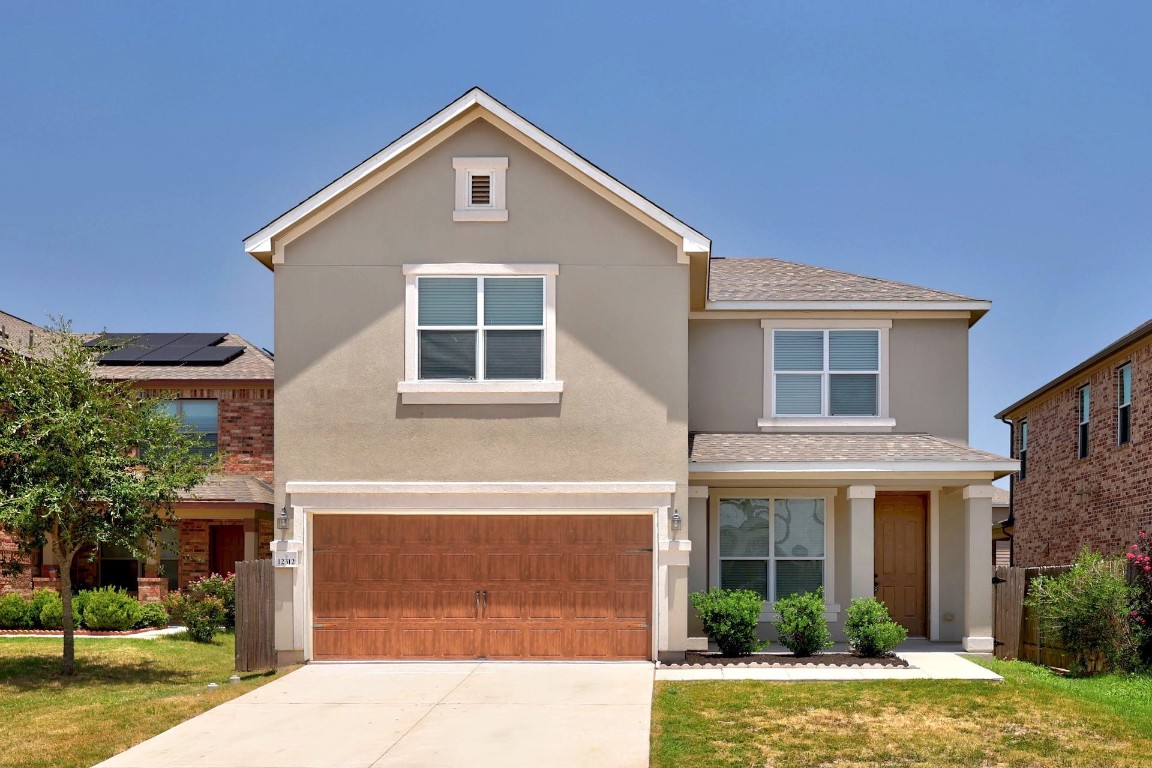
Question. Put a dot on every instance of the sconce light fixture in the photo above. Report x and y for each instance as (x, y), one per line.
(676, 521)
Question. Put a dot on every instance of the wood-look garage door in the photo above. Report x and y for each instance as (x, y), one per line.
(482, 586)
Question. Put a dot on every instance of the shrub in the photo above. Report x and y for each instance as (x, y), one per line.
(1088, 609)
(870, 630)
(203, 618)
(730, 617)
(802, 627)
(52, 613)
(40, 598)
(221, 587)
(79, 600)
(110, 609)
(14, 612)
(151, 615)
(1140, 565)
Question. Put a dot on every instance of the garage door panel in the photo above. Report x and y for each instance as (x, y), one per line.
(557, 586)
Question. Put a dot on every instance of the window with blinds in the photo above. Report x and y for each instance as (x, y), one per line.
(480, 328)
(826, 372)
(200, 420)
(1083, 410)
(1124, 404)
(772, 546)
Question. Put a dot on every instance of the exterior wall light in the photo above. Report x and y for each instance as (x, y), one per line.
(676, 522)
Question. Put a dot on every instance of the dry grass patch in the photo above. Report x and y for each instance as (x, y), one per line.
(1029, 720)
(124, 692)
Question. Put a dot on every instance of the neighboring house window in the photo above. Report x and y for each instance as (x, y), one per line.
(1022, 452)
(826, 373)
(1124, 404)
(200, 419)
(829, 377)
(480, 188)
(480, 333)
(772, 546)
(1084, 406)
(170, 557)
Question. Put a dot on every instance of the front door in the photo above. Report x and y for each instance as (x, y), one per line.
(900, 559)
(225, 547)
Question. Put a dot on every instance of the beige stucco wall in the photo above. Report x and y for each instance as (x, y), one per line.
(928, 376)
(952, 565)
(621, 340)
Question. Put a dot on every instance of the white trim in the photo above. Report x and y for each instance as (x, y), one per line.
(827, 495)
(832, 423)
(834, 306)
(416, 391)
(697, 491)
(977, 492)
(261, 242)
(861, 492)
(310, 486)
(467, 269)
(480, 163)
(495, 168)
(865, 468)
(480, 214)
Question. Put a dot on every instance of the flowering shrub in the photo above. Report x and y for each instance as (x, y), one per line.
(1140, 564)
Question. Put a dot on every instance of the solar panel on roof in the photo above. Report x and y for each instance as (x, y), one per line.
(214, 355)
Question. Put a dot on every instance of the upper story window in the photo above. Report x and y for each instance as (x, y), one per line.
(1124, 404)
(480, 333)
(480, 188)
(1083, 412)
(200, 419)
(1022, 451)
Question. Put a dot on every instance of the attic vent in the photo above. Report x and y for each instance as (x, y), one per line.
(480, 190)
(480, 184)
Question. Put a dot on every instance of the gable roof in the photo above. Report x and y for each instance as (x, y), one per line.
(261, 244)
(16, 334)
(766, 283)
(1136, 335)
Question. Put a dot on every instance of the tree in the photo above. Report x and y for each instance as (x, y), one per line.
(84, 460)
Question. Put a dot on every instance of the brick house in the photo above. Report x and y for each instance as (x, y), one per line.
(1084, 441)
(221, 386)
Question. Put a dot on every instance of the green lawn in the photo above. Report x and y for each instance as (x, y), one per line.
(1034, 718)
(124, 691)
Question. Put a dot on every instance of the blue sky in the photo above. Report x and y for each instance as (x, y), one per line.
(999, 150)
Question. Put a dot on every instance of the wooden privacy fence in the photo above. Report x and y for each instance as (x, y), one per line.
(254, 619)
(1018, 633)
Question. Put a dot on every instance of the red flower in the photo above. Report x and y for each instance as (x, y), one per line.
(1131, 556)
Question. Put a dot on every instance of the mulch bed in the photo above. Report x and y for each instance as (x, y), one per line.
(702, 659)
(77, 633)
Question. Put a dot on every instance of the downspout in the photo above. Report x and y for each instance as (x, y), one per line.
(1010, 522)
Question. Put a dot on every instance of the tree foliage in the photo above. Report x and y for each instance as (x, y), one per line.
(85, 460)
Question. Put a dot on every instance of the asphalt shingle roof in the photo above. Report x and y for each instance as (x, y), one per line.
(253, 364)
(240, 489)
(14, 333)
(723, 448)
(778, 280)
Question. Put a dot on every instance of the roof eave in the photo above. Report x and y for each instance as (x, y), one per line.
(976, 308)
(998, 469)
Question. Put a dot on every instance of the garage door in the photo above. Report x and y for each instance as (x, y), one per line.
(482, 586)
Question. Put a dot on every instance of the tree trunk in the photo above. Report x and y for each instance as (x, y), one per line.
(68, 662)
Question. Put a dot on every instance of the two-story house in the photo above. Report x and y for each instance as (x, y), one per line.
(1085, 456)
(522, 412)
(221, 387)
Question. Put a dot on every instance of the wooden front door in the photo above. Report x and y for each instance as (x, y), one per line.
(901, 547)
(482, 586)
(225, 547)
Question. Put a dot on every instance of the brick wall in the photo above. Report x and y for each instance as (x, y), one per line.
(1065, 503)
(245, 426)
(23, 581)
(264, 539)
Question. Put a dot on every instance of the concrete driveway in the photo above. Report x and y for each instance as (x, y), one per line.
(444, 714)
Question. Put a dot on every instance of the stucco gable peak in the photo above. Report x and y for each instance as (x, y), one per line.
(474, 102)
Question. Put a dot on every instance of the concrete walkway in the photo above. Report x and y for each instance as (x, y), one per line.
(445, 714)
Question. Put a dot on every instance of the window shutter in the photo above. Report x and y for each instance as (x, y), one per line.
(447, 301)
(514, 301)
(852, 394)
(853, 350)
(798, 351)
(798, 395)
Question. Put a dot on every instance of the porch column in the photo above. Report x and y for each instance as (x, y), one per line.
(862, 561)
(978, 569)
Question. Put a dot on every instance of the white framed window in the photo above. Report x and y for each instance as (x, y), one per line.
(1084, 412)
(480, 188)
(1124, 404)
(831, 374)
(480, 333)
(774, 543)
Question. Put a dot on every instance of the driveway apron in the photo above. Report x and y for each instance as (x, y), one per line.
(446, 714)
